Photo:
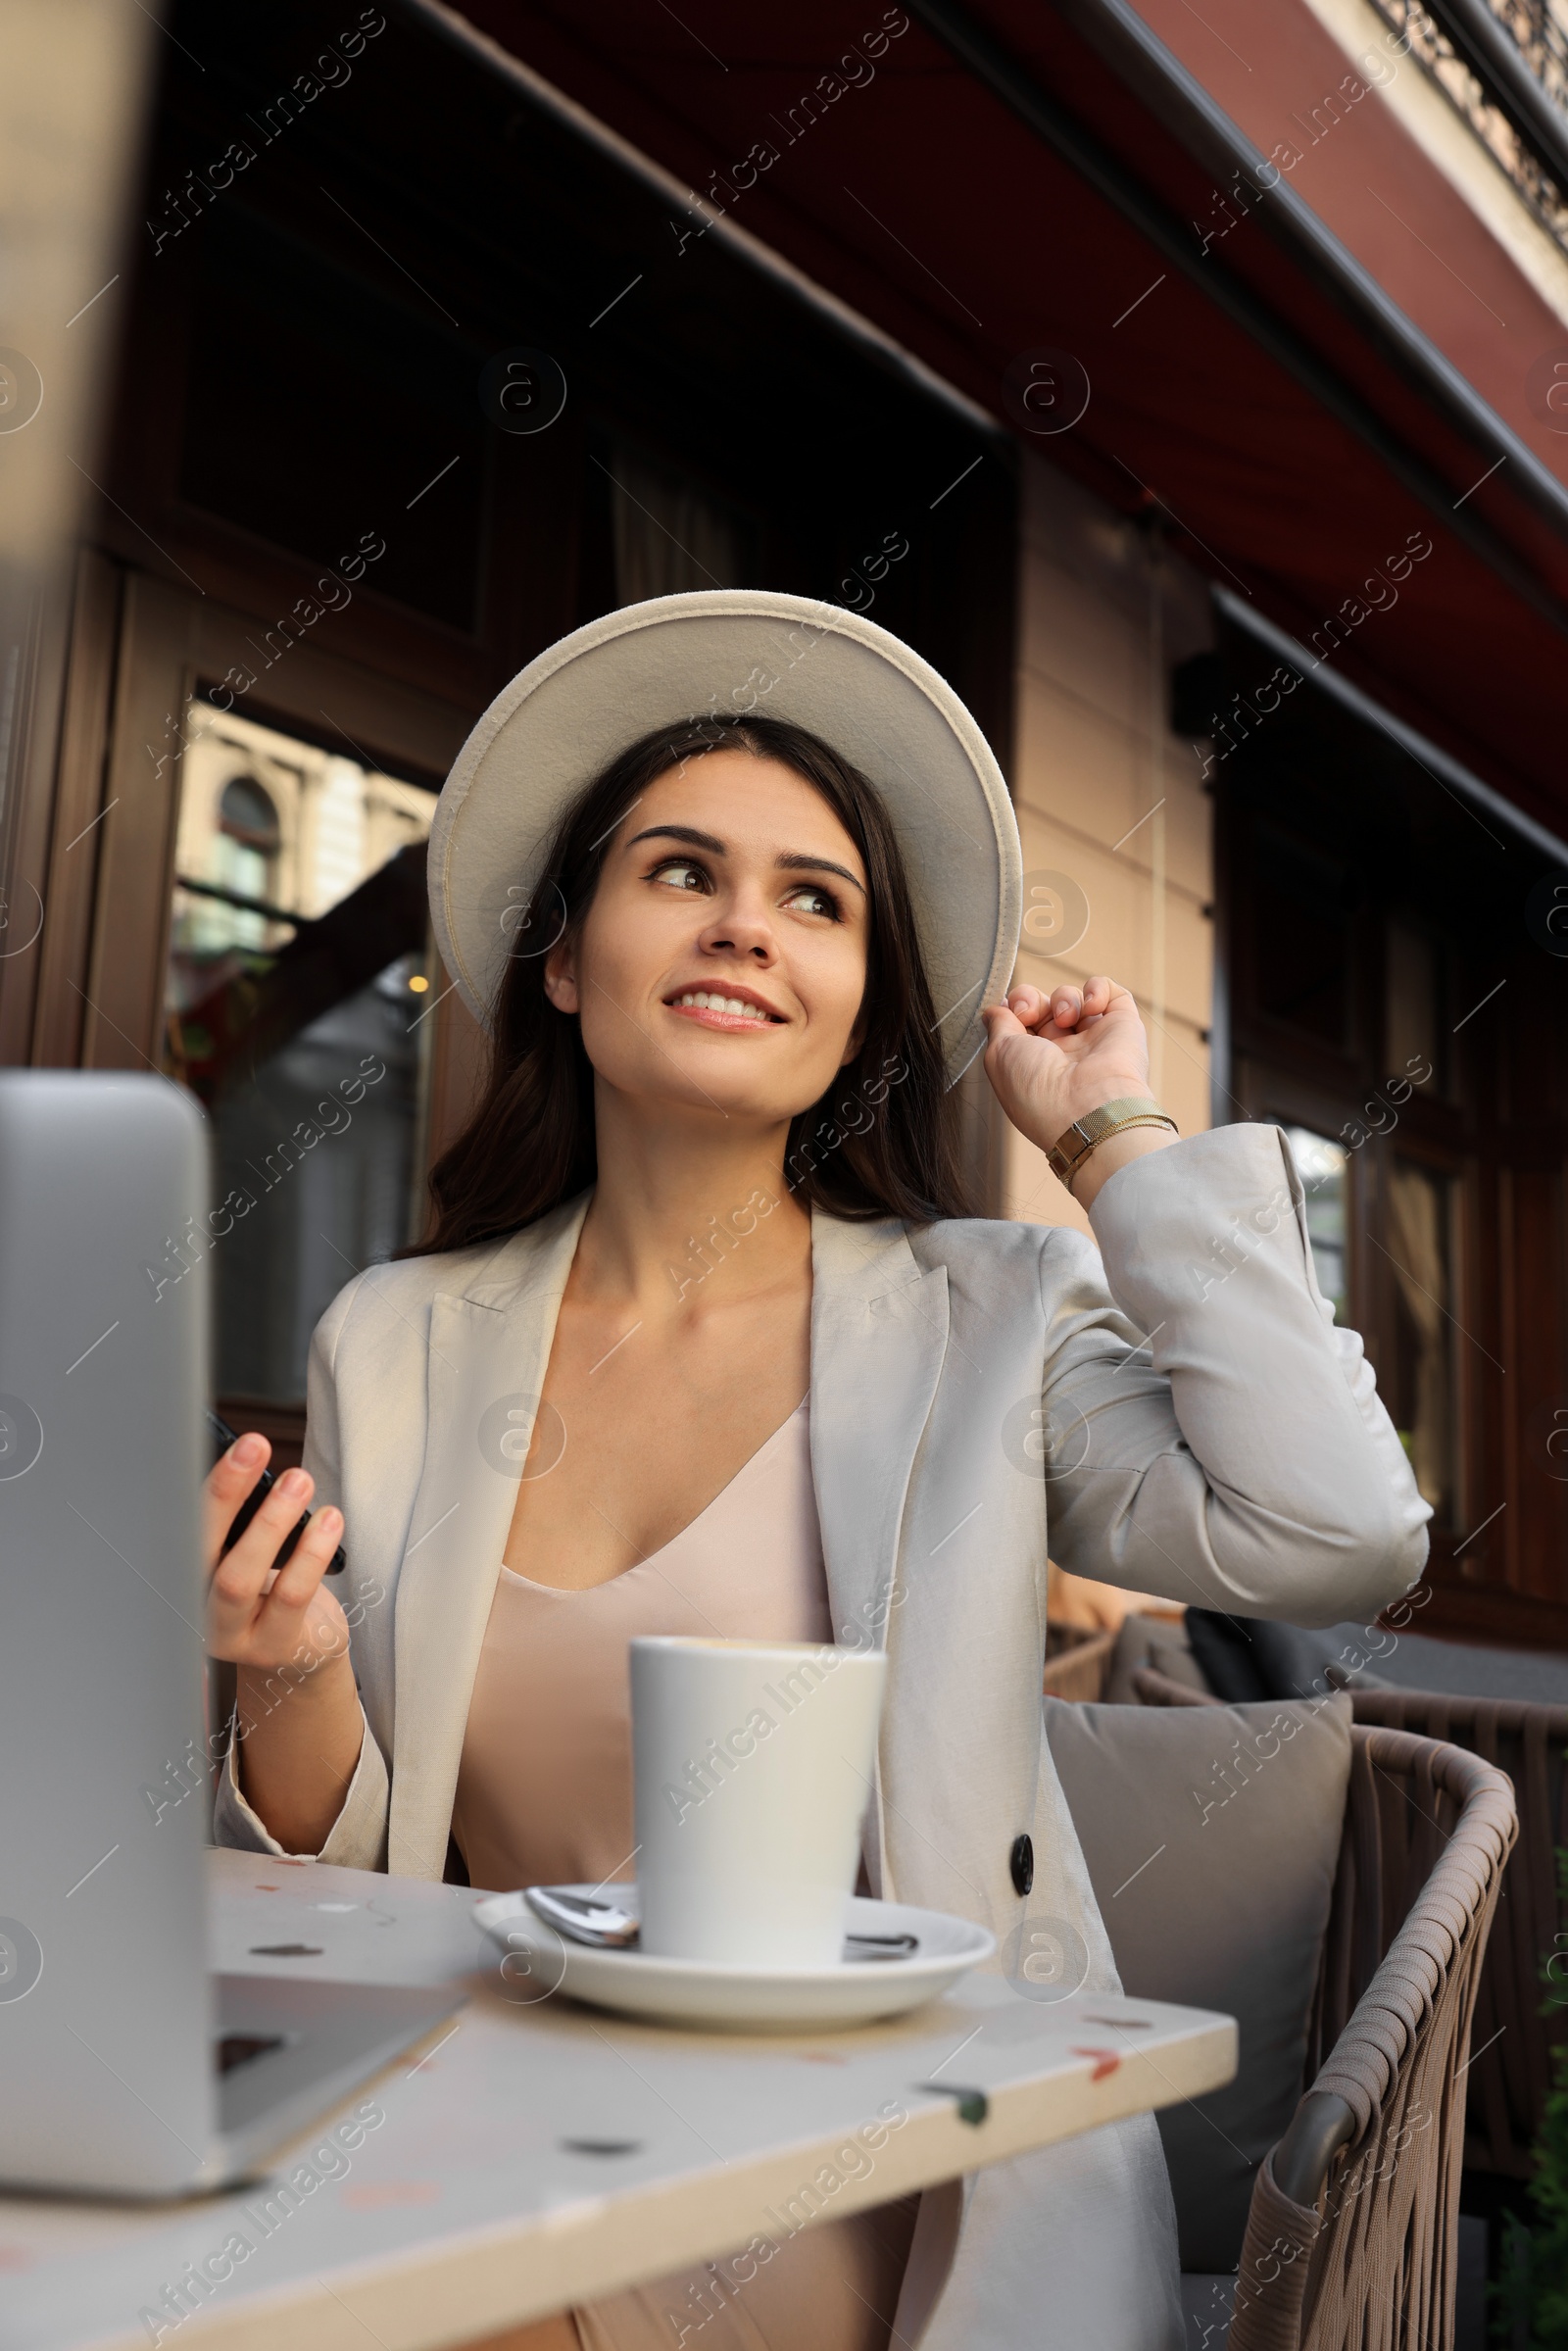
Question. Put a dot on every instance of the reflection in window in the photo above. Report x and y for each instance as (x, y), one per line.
(297, 977)
(244, 854)
(1420, 1388)
(1321, 1165)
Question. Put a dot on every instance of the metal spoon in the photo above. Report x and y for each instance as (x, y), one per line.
(608, 1926)
(605, 1926)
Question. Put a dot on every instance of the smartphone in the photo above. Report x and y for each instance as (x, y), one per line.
(223, 1436)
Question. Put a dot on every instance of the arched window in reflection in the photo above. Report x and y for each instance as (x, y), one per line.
(244, 854)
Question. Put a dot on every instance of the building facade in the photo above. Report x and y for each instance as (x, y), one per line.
(1097, 352)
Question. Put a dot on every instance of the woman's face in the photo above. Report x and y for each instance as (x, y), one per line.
(722, 961)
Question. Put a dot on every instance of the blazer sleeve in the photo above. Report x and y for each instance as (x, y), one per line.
(1229, 1449)
(358, 1837)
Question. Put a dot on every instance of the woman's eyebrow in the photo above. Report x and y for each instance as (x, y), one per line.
(792, 862)
(797, 862)
(680, 832)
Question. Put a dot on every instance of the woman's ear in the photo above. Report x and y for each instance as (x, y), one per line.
(561, 977)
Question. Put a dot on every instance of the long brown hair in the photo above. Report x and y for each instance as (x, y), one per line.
(882, 1141)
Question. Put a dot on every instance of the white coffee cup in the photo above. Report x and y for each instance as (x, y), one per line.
(753, 1764)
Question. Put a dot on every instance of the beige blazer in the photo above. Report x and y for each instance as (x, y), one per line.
(1176, 1413)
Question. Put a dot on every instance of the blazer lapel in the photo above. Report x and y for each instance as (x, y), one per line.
(879, 1335)
(488, 1352)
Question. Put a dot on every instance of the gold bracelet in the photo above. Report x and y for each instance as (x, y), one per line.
(1122, 1127)
(1072, 1148)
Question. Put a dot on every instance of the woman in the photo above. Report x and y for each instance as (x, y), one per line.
(703, 1340)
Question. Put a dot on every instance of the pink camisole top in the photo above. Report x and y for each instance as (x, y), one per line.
(544, 1797)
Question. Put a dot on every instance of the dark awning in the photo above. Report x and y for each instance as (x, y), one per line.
(987, 186)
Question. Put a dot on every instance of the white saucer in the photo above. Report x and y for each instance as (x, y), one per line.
(737, 1999)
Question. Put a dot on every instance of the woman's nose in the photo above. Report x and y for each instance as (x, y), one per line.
(742, 925)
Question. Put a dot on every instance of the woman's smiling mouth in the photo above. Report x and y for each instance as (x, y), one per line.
(715, 1008)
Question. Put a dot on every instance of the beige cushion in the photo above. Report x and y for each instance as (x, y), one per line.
(1211, 1836)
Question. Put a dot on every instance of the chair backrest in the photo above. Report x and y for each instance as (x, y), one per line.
(1376, 2252)
(1371, 2258)
(1510, 2074)
(1515, 2033)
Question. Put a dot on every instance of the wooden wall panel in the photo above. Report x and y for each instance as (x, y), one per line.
(77, 812)
(34, 622)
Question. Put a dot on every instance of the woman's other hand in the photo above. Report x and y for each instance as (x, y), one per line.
(258, 1614)
(298, 1725)
(1054, 1059)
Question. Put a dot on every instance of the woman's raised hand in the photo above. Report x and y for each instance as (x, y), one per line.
(298, 1725)
(258, 1615)
(1054, 1059)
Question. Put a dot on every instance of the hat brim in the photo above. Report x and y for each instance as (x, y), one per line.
(733, 653)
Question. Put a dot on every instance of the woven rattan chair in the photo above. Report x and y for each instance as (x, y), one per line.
(1510, 2075)
(1351, 2237)
(1077, 1662)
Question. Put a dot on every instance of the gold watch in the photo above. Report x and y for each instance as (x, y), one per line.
(1070, 1149)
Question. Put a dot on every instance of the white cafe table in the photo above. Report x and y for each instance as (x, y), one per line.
(534, 2153)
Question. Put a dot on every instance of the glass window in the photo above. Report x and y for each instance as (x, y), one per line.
(297, 986)
(668, 536)
(1321, 1165)
(1413, 1025)
(1299, 911)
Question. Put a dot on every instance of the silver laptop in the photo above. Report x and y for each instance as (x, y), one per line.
(126, 2066)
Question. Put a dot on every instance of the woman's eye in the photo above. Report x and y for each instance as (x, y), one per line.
(810, 899)
(680, 873)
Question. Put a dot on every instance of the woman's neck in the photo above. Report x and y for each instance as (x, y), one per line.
(688, 1211)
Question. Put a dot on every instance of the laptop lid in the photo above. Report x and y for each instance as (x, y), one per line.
(106, 2004)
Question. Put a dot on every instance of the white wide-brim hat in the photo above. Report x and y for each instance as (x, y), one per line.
(732, 653)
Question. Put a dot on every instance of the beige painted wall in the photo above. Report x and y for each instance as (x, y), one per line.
(1100, 625)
